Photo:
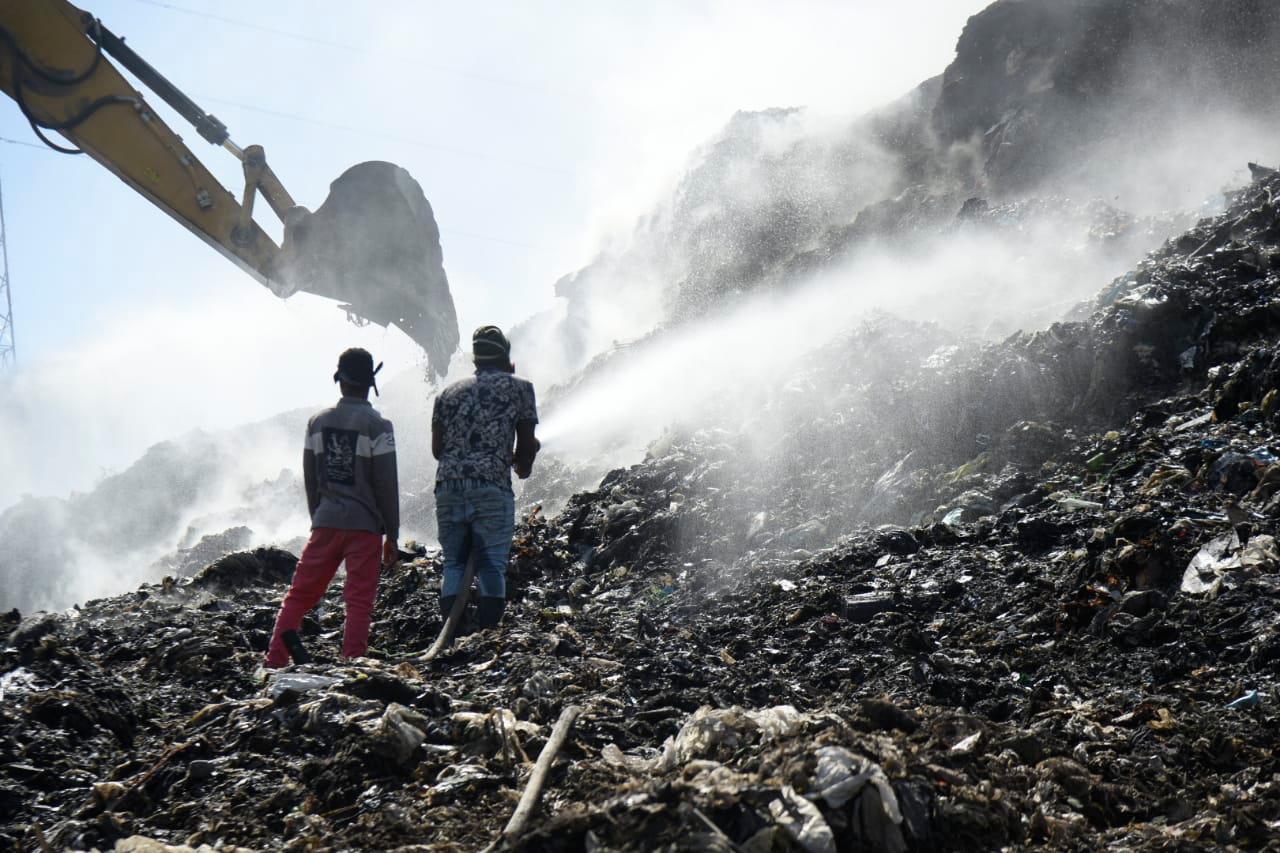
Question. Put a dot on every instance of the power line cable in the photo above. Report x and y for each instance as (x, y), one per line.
(359, 131)
(252, 26)
(9, 141)
(452, 232)
(445, 230)
(393, 137)
(444, 69)
(348, 128)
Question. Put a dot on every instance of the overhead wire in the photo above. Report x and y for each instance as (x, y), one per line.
(445, 230)
(371, 133)
(36, 124)
(453, 232)
(301, 37)
(9, 141)
(173, 7)
(380, 134)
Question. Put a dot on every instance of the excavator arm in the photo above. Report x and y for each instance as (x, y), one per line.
(53, 65)
(374, 243)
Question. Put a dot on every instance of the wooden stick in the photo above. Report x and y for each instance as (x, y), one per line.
(455, 615)
(506, 745)
(40, 839)
(141, 783)
(533, 790)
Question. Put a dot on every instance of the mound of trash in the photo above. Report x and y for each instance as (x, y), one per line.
(1113, 99)
(1057, 629)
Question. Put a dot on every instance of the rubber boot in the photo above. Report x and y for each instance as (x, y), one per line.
(293, 643)
(446, 606)
(489, 611)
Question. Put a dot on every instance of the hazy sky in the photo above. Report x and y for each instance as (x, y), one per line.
(536, 130)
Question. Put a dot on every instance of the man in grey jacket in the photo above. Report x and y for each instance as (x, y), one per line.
(349, 467)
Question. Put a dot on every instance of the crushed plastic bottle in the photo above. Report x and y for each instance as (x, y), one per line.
(1069, 501)
(1251, 699)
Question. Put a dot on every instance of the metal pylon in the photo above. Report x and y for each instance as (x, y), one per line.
(8, 350)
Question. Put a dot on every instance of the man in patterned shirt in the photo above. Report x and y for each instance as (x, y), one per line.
(474, 426)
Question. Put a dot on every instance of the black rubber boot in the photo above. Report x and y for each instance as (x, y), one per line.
(293, 643)
(489, 611)
(446, 606)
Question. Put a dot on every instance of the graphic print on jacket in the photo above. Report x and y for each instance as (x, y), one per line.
(340, 455)
(349, 468)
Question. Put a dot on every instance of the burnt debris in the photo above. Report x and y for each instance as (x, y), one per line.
(1057, 628)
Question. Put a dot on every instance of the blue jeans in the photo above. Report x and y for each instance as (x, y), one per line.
(475, 518)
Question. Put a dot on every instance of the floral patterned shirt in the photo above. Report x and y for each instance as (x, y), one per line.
(478, 417)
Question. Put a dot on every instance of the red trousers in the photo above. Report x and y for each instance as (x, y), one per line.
(325, 550)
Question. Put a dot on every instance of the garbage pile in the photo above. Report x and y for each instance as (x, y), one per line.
(1056, 626)
(905, 423)
(1042, 97)
(1026, 82)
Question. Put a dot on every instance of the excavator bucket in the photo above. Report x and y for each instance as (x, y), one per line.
(374, 246)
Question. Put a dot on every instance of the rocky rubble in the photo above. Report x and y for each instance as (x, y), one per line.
(1056, 628)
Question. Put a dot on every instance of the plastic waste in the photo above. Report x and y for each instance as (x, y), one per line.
(864, 605)
(1233, 472)
(20, 680)
(1068, 501)
(841, 775)
(1251, 699)
(455, 779)
(398, 732)
(874, 824)
(299, 682)
(1198, 421)
(635, 763)
(711, 728)
(802, 820)
(778, 721)
(1260, 552)
(1204, 572)
(1264, 455)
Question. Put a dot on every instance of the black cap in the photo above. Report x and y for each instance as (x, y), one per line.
(355, 367)
(490, 346)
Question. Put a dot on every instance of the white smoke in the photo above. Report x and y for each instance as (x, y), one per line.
(979, 284)
(660, 82)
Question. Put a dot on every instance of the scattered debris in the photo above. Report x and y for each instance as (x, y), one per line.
(1034, 604)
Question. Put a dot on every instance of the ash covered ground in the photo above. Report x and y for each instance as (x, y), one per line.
(1077, 646)
(931, 592)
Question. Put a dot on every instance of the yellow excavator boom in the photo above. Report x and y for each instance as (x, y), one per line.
(55, 62)
(53, 67)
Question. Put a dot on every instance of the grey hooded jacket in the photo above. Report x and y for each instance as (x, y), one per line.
(349, 466)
